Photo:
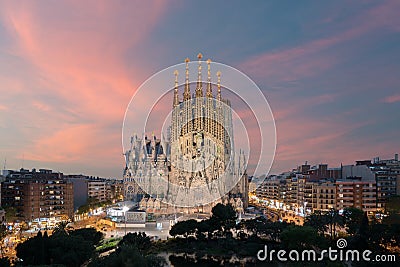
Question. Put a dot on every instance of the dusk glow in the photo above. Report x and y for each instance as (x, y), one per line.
(329, 70)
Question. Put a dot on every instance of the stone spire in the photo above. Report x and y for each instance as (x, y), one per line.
(209, 86)
(219, 86)
(199, 88)
(176, 97)
(186, 93)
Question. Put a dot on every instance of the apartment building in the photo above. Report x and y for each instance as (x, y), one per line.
(97, 189)
(38, 194)
(272, 188)
(325, 196)
(354, 192)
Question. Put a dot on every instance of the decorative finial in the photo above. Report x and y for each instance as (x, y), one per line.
(176, 72)
(219, 85)
(199, 88)
(187, 70)
(208, 69)
(209, 86)
(176, 97)
(186, 93)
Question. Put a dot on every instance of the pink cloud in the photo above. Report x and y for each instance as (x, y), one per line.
(391, 99)
(78, 53)
(41, 106)
(66, 145)
(317, 56)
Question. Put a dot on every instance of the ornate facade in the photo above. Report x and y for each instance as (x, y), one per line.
(196, 166)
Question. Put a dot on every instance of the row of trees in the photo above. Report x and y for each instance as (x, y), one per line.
(73, 248)
(134, 250)
(360, 231)
(91, 204)
(67, 247)
(220, 224)
(320, 230)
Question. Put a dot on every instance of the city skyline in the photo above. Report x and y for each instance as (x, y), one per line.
(68, 71)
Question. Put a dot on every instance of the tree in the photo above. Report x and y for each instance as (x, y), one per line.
(5, 262)
(353, 218)
(256, 225)
(224, 216)
(128, 256)
(334, 220)
(378, 236)
(11, 213)
(393, 205)
(275, 229)
(34, 250)
(318, 221)
(300, 237)
(89, 234)
(241, 230)
(68, 248)
(3, 234)
(61, 228)
(203, 228)
(364, 226)
(359, 239)
(184, 228)
(139, 240)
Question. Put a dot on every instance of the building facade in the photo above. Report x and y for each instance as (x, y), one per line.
(39, 194)
(196, 164)
(97, 189)
(353, 192)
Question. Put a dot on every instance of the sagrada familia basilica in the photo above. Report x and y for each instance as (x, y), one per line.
(196, 166)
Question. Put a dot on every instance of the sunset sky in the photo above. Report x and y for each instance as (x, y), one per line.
(330, 71)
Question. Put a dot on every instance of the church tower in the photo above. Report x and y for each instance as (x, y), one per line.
(200, 149)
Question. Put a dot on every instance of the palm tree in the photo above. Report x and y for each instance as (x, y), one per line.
(61, 228)
(334, 219)
(318, 221)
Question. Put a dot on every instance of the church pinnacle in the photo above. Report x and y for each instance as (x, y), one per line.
(199, 88)
(219, 86)
(186, 94)
(176, 97)
(209, 86)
